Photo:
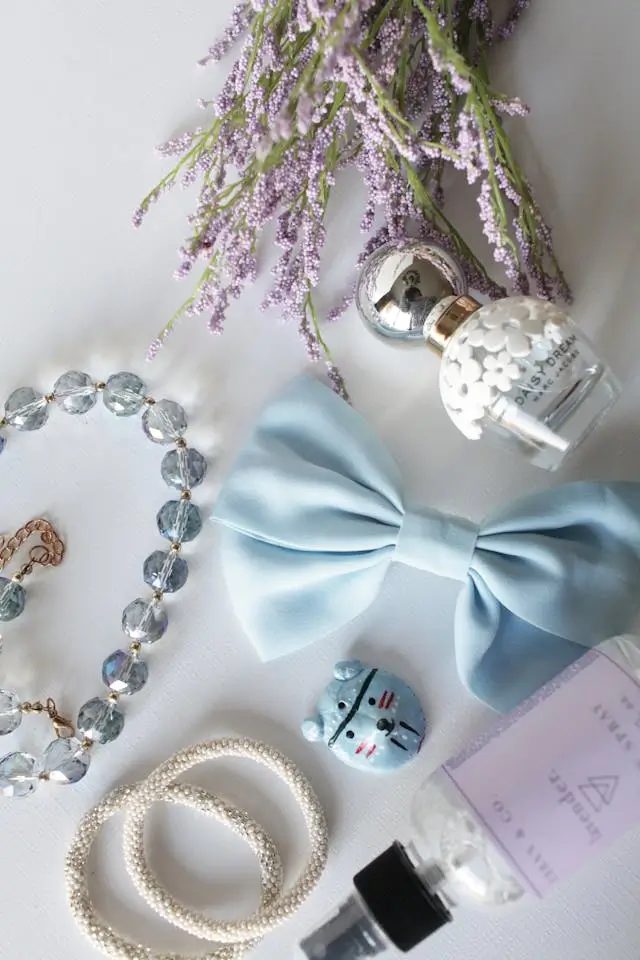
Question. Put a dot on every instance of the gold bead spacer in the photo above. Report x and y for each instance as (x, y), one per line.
(35, 707)
(100, 385)
(113, 696)
(181, 442)
(176, 547)
(4, 422)
(149, 401)
(49, 397)
(158, 596)
(43, 776)
(135, 647)
(185, 495)
(87, 743)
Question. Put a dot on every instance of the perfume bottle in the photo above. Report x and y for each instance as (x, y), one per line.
(547, 788)
(518, 369)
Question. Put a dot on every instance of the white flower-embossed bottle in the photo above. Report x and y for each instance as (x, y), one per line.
(521, 808)
(518, 369)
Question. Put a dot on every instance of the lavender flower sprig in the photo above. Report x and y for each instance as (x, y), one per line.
(399, 90)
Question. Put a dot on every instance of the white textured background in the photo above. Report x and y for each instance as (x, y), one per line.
(87, 89)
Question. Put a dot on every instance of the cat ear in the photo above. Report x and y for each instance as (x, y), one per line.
(347, 669)
(312, 728)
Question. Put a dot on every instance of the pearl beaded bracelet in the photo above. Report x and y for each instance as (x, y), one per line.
(144, 621)
(234, 938)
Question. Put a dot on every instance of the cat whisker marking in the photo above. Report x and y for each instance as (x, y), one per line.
(407, 727)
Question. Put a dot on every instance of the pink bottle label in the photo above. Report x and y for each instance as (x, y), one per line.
(558, 779)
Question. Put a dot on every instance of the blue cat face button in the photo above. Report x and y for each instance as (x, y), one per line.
(369, 718)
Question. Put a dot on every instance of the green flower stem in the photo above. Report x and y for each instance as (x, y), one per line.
(208, 274)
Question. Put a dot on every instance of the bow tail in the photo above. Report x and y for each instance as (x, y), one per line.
(286, 599)
(502, 659)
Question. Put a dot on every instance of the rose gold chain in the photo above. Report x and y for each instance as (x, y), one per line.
(48, 553)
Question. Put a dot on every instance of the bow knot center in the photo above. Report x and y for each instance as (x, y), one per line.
(437, 543)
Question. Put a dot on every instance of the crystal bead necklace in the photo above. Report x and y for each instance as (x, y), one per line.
(144, 620)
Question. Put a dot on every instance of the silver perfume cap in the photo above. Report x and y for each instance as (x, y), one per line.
(402, 283)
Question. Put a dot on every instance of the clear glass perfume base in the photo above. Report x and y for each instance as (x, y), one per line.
(568, 420)
(522, 371)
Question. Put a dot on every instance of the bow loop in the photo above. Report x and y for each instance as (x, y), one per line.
(313, 516)
(436, 543)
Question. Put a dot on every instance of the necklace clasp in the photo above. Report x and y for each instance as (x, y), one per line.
(62, 726)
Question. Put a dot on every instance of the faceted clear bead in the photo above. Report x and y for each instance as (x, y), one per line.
(179, 521)
(26, 409)
(124, 673)
(165, 571)
(12, 599)
(10, 712)
(75, 392)
(164, 421)
(183, 468)
(144, 620)
(18, 777)
(65, 760)
(100, 720)
(124, 394)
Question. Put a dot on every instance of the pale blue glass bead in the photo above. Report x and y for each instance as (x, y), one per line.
(164, 421)
(75, 392)
(18, 776)
(179, 521)
(144, 620)
(10, 712)
(12, 599)
(124, 673)
(124, 394)
(100, 720)
(26, 409)
(166, 572)
(64, 761)
(183, 468)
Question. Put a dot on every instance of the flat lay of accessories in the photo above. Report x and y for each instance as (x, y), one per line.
(309, 519)
(385, 630)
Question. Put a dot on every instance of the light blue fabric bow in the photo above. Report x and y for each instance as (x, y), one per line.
(314, 516)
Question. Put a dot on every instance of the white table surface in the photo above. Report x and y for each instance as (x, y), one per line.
(88, 88)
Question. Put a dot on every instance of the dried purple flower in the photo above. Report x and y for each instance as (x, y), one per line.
(320, 85)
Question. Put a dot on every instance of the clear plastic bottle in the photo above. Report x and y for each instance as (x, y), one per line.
(517, 811)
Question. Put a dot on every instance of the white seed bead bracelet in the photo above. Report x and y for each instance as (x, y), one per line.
(234, 938)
